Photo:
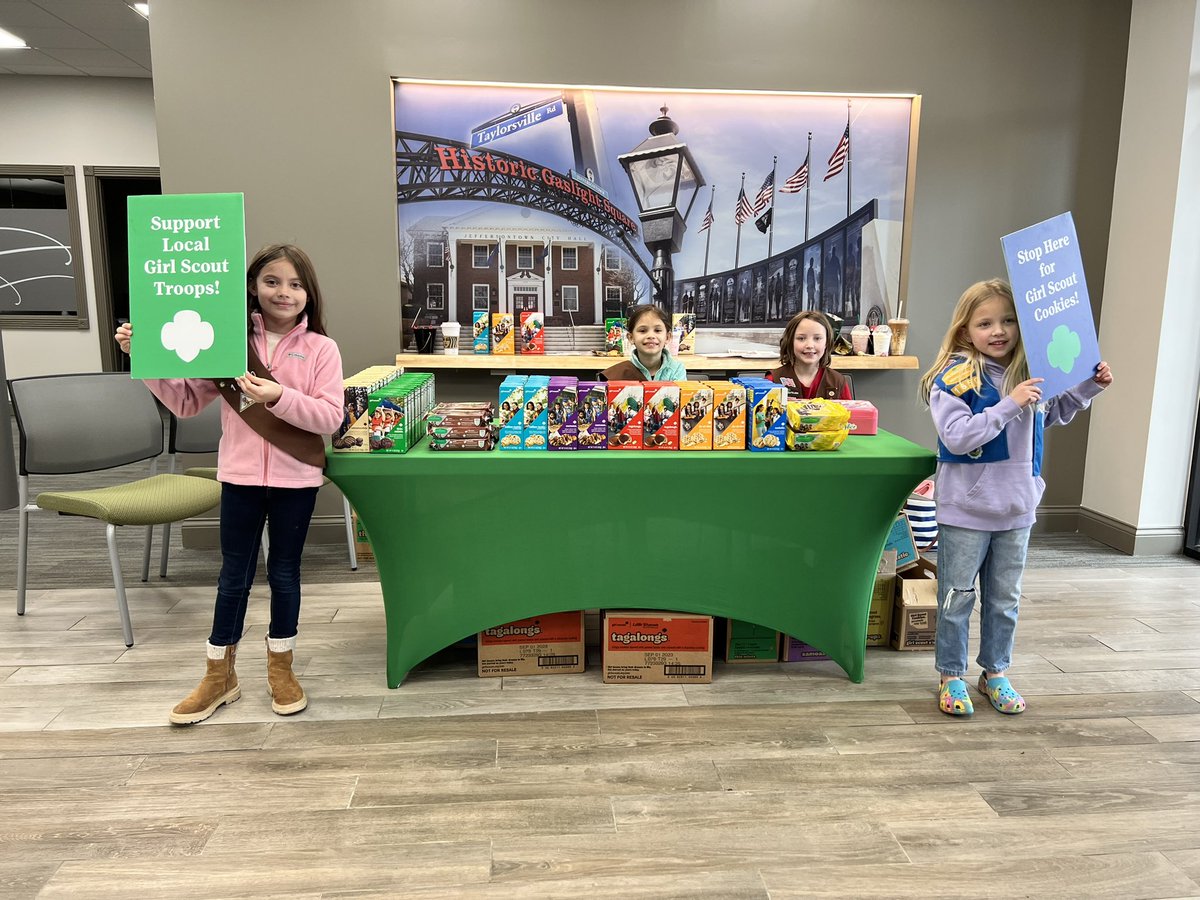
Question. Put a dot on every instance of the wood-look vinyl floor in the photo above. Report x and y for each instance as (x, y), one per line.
(775, 781)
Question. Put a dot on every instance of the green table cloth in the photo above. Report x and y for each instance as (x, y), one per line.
(791, 541)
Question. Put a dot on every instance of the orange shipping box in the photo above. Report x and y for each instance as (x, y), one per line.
(657, 648)
(543, 645)
(914, 617)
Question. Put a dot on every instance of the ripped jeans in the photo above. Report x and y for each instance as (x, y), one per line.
(997, 560)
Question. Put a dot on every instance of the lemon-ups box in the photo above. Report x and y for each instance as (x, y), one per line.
(503, 340)
(746, 642)
(549, 644)
(591, 415)
(695, 416)
(657, 648)
(660, 417)
(625, 399)
(914, 617)
(729, 415)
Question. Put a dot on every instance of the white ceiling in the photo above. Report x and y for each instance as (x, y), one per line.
(76, 37)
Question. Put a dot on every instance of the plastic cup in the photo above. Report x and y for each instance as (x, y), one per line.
(424, 337)
(450, 333)
(883, 340)
(899, 335)
(859, 336)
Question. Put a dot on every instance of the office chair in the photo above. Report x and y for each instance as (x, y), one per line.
(202, 434)
(74, 424)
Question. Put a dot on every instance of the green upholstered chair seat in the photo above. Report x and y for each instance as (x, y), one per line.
(148, 501)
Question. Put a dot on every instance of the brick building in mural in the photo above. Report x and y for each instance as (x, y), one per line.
(513, 261)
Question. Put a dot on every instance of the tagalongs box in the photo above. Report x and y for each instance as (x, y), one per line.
(657, 648)
(914, 617)
(542, 645)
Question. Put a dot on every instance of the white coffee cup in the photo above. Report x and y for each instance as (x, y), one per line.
(450, 333)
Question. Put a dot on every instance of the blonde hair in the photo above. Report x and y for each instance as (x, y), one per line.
(957, 342)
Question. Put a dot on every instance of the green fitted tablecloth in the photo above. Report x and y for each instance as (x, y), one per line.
(465, 541)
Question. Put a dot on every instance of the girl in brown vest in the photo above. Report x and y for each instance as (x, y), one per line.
(805, 350)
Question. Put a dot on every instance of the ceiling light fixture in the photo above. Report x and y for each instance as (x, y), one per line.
(10, 41)
(142, 9)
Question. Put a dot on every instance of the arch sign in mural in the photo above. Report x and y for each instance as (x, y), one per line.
(526, 197)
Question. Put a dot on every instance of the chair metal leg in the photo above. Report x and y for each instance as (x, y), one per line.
(166, 548)
(119, 584)
(146, 553)
(350, 535)
(22, 541)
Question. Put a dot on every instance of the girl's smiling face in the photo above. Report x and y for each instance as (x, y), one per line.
(992, 329)
(281, 295)
(649, 337)
(808, 344)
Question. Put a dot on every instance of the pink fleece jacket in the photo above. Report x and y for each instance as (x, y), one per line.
(309, 368)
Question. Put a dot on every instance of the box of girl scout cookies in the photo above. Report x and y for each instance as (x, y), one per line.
(502, 333)
(660, 417)
(729, 415)
(362, 543)
(695, 416)
(879, 617)
(746, 642)
(591, 415)
(542, 645)
(657, 648)
(914, 617)
(481, 334)
(625, 399)
(533, 337)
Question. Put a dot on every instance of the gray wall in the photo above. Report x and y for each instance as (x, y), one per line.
(289, 101)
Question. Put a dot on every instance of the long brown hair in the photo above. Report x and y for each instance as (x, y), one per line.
(787, 355)
(648, 309)
(304, 269)
(957, 342)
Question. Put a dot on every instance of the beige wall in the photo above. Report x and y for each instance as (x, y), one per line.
(1137, 462)
(72, 122)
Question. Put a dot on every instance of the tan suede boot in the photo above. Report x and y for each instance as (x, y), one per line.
(287, 697)
(218, 687)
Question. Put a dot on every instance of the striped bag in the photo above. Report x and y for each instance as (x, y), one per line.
(921, 511)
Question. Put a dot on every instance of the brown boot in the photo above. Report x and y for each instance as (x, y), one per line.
(218, 686)
(287, 697)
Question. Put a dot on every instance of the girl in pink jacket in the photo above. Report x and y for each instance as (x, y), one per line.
(264, 485)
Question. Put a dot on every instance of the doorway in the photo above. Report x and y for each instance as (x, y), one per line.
(108, 190)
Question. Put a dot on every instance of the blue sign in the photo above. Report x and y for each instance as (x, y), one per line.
(1046, 273)
(516, 119)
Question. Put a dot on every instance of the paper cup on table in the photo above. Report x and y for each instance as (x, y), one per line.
(899, 335)
(450, 334)
(883, 340)
(859, 335)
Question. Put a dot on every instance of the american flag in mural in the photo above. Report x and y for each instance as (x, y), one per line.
(837, 161)
(745, 211)
(798, 181)
(765, 193)
(708, 218)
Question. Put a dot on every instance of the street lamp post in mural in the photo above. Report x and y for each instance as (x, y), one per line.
(665, 180)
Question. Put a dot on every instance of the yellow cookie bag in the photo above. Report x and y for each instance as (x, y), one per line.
(816, 440)
(804, 416)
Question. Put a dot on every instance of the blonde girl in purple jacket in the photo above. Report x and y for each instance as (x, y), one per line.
(264, 486)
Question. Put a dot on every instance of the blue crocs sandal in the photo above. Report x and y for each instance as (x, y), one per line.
(1001, 694)
(953, 698)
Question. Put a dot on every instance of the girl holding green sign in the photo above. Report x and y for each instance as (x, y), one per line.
(270, 466)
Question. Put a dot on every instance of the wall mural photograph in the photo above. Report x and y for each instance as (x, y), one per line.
(579, 202)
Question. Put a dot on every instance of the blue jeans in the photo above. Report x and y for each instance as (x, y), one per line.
(997, 560)
(285, 512)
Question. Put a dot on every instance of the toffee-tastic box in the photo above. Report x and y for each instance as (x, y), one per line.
(660, 415)
(657, 648)
(729, 415)
(542, 645)
(503, 340)
(591, 415)
(695, 416)
(562, 416)
(533, 336)
(625, 399)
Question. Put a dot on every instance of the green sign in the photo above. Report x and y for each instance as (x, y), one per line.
(187, 285)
